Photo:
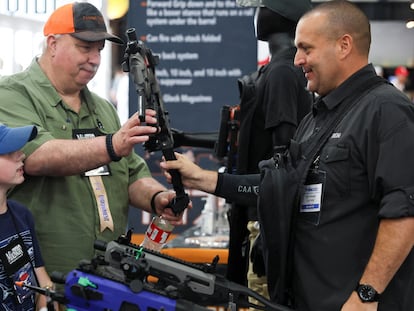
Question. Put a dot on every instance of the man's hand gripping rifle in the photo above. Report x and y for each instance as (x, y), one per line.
(140, 63)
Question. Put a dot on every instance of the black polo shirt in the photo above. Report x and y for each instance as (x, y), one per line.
(367, 164)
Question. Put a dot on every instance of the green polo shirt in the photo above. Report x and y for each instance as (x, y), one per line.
(64, 208)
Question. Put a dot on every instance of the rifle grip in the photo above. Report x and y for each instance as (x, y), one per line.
(175, 174)
(181, 200)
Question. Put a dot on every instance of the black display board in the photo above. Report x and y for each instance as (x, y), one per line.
(204, 46)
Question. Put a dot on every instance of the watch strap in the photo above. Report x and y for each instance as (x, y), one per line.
(367, 293)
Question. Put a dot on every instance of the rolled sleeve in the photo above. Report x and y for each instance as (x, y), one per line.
(397, 204)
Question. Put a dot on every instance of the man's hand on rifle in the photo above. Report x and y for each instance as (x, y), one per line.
(161, 205)
(192, 175)
(133, 132)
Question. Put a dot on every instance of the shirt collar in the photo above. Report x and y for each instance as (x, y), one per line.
(348, 87)
(318, 106)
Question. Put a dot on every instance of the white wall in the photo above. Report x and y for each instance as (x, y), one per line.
(392, 44)
(21, 31)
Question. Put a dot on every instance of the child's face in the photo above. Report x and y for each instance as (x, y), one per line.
(11, 166)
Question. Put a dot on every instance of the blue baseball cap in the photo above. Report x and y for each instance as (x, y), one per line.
(13, 139)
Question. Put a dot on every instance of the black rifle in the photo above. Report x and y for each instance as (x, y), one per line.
(140, 62)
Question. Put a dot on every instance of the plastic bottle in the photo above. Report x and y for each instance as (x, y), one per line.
(157, 233)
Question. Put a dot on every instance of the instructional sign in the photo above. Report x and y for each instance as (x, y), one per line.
(204, 47)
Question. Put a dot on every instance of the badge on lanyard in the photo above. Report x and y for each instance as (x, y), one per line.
(97, 184)
(91, 133)
(311, 199)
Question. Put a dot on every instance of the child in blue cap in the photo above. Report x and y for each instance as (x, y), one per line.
(20, 258)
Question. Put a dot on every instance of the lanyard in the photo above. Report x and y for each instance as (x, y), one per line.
(102, 203)
(98, 187)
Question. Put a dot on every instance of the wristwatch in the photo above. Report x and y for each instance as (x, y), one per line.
(367, 293)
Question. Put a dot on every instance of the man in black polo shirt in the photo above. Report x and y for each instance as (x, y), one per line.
(268, 120)
(354, 233)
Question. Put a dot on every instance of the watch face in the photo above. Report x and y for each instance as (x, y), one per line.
(367, 293)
